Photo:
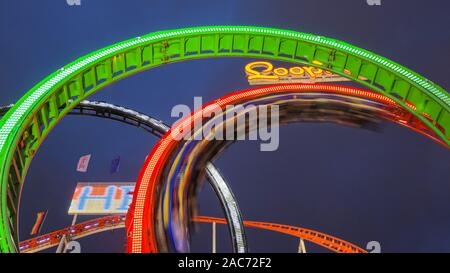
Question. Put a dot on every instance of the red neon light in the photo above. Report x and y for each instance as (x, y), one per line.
(140, 231)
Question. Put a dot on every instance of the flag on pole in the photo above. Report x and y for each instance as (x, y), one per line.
(40, 217)
(115, 163)
(83, 163)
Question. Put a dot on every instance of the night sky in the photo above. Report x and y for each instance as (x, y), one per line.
(391, 186)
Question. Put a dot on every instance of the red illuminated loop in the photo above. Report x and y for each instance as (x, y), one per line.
(141, 217)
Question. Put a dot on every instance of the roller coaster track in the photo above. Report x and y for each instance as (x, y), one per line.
(74, 232)
(26, 125)
(158, 128)
(114, 112)
(94, 226)
(145, 233)
(330, 242)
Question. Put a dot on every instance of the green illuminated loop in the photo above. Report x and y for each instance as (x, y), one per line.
(25, 126)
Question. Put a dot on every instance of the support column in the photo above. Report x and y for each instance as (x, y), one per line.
(62, 246)
(301, 246)
(214, 237)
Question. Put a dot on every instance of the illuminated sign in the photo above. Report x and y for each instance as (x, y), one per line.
(263, 72)
(101, 198)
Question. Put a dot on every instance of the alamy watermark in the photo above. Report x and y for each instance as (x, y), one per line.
(73, 2)
(252, 122)
(373, 247)
(373, 2)
(73, 247)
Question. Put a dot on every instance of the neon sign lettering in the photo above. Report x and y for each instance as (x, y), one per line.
(262, 72)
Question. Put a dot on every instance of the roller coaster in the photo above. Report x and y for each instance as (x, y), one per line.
(400, 95)
(103, 224)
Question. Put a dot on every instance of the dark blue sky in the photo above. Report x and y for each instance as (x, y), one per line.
(392, 187)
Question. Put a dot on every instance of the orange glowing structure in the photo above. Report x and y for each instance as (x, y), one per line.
(106, 223)
(327, 241)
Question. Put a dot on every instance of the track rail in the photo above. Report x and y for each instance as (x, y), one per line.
(94, 226)
(74, 232)
(111, 111)
(327, 241)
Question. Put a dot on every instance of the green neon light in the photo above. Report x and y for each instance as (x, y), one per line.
(336, 56)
